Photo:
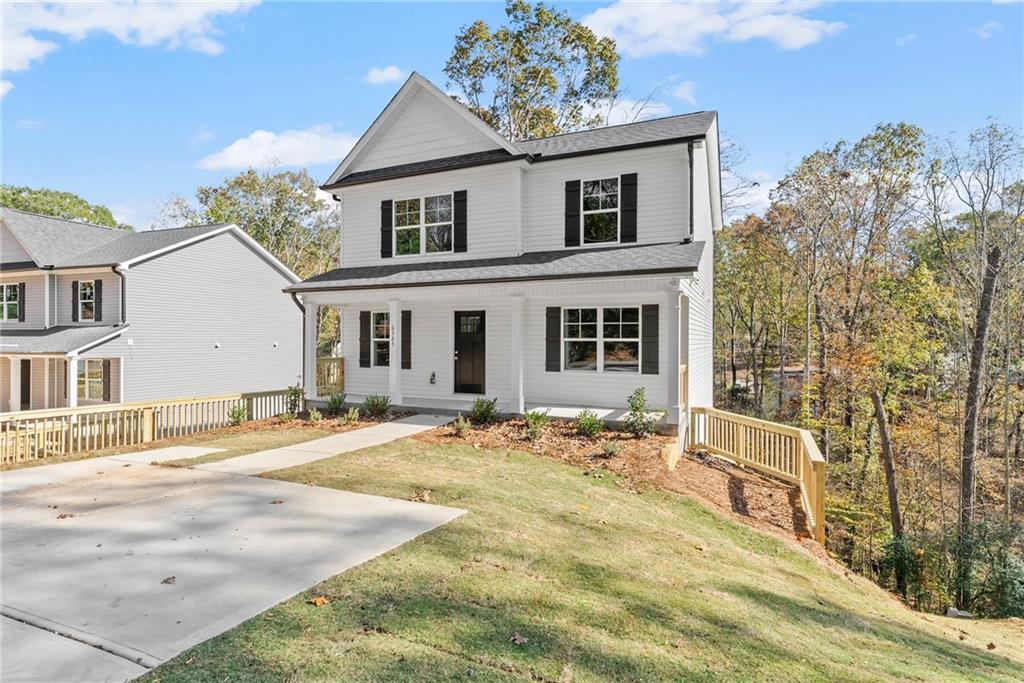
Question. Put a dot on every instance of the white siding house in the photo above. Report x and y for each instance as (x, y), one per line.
(96, 315)
(559, 273)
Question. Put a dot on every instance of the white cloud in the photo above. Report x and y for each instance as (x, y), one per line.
(906, 40)
(988, 29)
(174, 24)
(627, 111)
(202, 136)
(379, 75)
(29, 124)
(5, 87)
(264, 149)
(643, 29)
(686, 91)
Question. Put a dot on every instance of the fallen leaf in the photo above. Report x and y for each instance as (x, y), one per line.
(962, 637)
(276, 501)
(518, 639)
(320, 601)
(421, 496)
(991, 646)
(65, 515)
(169, 579)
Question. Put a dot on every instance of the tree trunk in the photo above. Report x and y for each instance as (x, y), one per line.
(895, 517)
(972, 401)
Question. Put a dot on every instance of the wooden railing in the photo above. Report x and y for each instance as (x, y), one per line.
(330, 376)
(38, 434)
(788, 453)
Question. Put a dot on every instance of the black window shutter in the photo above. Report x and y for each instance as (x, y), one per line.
(572, 213)
(406, 340)
(98, 306)
(21, 302)
(649, 339)
(627, 208)
(364, 339)
(553, 339)
(106, 380)
(385, 228)
(459, 240)
(74, 301)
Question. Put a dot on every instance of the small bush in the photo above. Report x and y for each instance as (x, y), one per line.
(460, 426)
(588, 424)
(315, 415)
(237, 415)
(639, 421)
(293, 398)
(286, 416)
(335, 403)
(484, 411)
(535, 423)
(377, 405)
(351, 416)
(610, 448)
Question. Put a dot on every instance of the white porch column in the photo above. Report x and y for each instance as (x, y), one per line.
(46, 384)
(309, 353)
(516, 355)
(673, 359)
(15, 377)
(72, 382)
(395, 360)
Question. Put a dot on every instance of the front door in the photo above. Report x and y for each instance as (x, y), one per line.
(26, 384)
(469, 352)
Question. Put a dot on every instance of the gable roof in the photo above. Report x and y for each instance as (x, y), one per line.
(54, 241)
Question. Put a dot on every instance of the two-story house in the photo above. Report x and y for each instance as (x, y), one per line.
(91, 314)
(558, 273)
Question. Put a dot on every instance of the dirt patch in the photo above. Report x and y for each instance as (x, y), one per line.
(330, 423)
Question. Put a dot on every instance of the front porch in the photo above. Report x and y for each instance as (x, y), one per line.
(46, 382)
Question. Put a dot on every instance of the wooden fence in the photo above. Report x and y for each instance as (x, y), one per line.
(38, 434)
(788, 453)
(330, 376)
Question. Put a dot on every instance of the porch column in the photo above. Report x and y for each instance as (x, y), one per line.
(72, 381)
(395, 360)
(672, 355)
(309, 354)
(15, 377)
(46, 384)
(516, 355)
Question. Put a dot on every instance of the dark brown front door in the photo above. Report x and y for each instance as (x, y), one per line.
(469, 352)
(26, 384)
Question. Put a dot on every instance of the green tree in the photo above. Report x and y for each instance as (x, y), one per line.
(543, 73)
(57, 204)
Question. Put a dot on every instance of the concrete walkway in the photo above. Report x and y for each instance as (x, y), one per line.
(111, 566)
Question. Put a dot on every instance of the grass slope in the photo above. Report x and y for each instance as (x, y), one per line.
(604, 584)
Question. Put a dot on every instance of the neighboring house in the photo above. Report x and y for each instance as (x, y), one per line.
(93, 314)
(556, 273)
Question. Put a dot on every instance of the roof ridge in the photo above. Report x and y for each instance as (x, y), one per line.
(64, 220)
(621, 125)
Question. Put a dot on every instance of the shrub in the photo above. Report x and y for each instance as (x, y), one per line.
(351, 416)
(639, 421)
(293, 398)
(460, 426)
(377, 405)
(484, 411)
(237, 415)
(335, 403)
(535, 422)
(286, 416)
(610, 448)
(588, 424)
(315, 415)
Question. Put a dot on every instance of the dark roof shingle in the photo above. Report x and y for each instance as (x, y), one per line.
(624, 135)
(55, 339)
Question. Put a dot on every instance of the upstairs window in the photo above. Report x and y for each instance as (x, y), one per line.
(87, 300)
(423, 225)
(11, 305)
(600, 211)
(380, 339)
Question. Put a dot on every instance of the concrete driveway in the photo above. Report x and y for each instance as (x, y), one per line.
(124, 565)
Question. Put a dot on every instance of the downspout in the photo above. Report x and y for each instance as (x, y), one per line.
(298, 302)
(124, 289)
(689, 156)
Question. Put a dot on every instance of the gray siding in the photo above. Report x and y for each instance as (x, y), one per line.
(34, 301)
(11, 250)
(111, 297)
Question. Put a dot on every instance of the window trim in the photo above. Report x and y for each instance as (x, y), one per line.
(374, 339)
(600, 339)
(81, 317)
(584, 213)
(82, 381)
(4, 302)
(422, 225)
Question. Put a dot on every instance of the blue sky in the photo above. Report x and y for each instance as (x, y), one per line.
(128, 105)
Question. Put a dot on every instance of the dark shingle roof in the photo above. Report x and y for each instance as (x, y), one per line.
(625, 135)
(55, 339)
(672, 257)
(429, 166)
(67, 244)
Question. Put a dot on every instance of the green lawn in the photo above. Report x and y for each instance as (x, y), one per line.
(603, 583)
(243, 443)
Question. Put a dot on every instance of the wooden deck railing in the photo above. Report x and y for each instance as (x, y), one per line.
(38, 434)
(330, 376)
(788, 453)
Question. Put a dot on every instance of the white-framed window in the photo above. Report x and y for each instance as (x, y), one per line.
(380, 339)
(90, 379)
(600, 200)
(601, 339)
(86, 300)
(11, 303)
(424, 225)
